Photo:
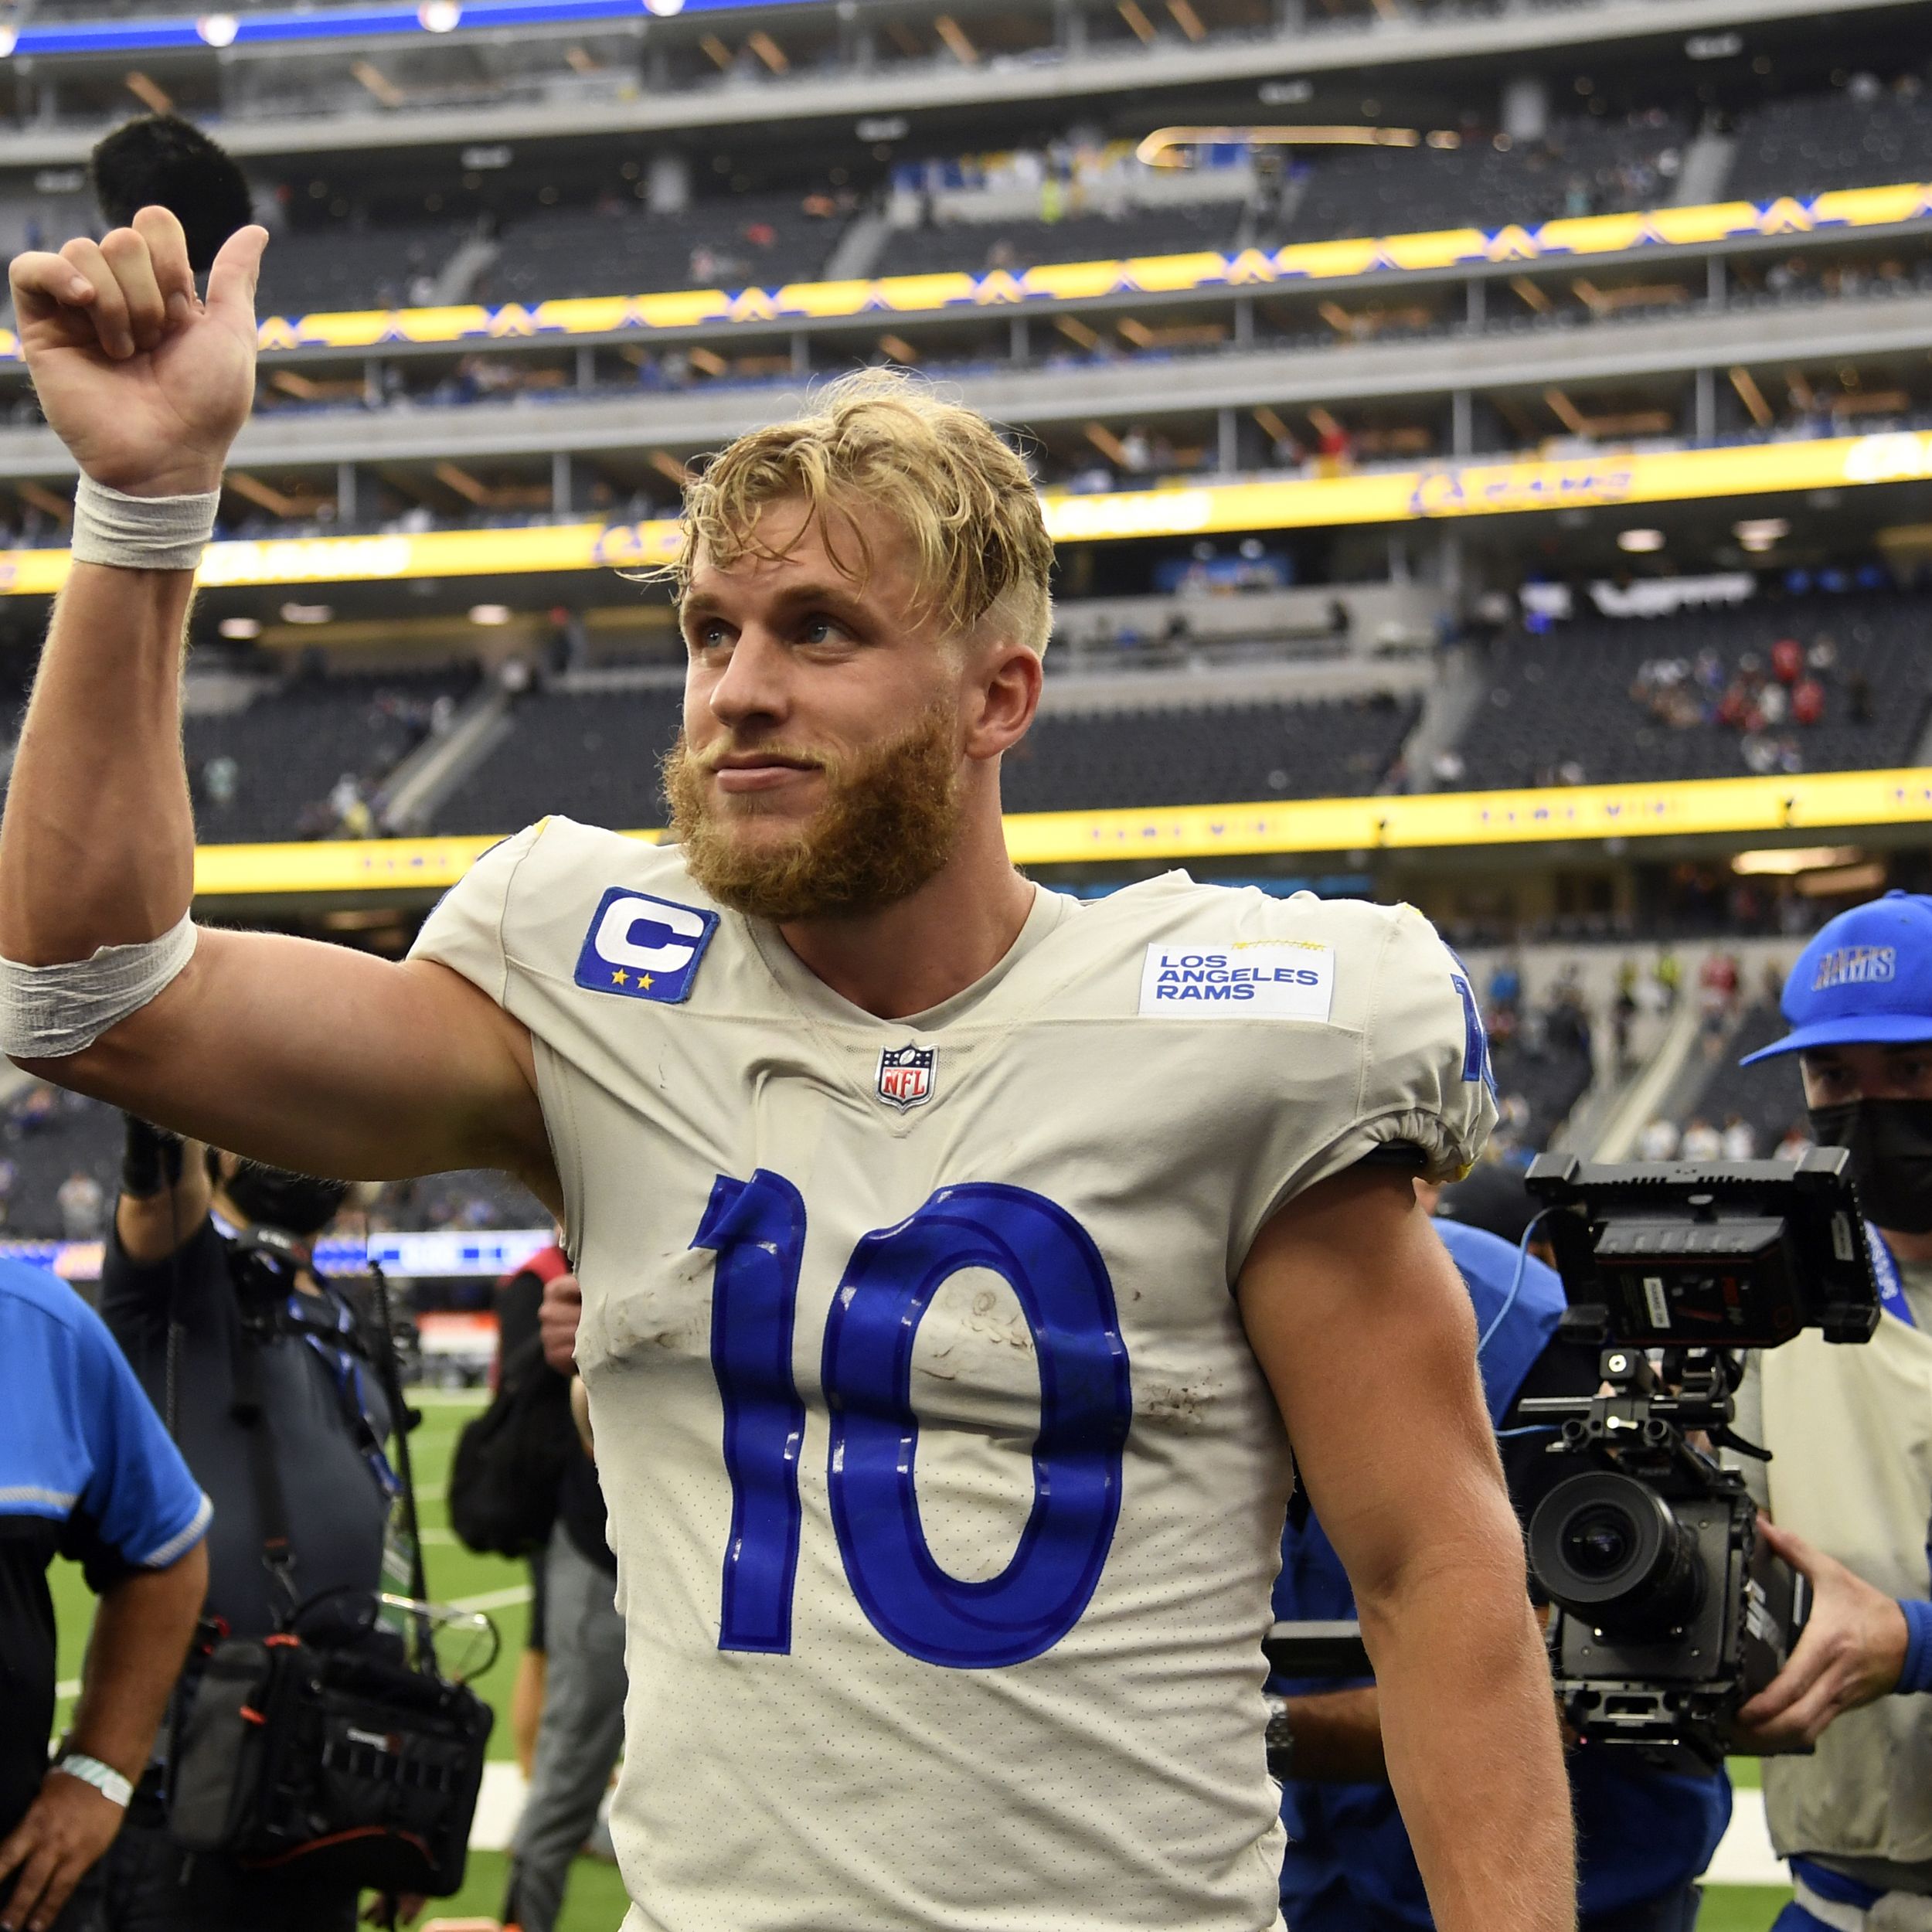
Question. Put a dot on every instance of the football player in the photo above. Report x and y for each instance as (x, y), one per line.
(958, 1261)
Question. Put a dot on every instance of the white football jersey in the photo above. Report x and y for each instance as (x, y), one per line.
(946, 1491)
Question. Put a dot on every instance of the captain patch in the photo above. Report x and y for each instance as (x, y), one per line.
(1255, 978)
(644, 948)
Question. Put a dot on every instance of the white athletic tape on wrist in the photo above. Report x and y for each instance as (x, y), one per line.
(47, 1012)
(116, 1788)
(141, 532)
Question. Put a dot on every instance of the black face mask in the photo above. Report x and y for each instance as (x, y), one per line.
(1891, 1148)
(297, 1203)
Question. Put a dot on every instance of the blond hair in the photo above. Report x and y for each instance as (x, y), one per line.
(878, 443)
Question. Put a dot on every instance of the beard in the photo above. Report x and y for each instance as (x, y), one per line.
(891, 819)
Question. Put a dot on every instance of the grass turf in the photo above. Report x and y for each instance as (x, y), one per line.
(596, 1902)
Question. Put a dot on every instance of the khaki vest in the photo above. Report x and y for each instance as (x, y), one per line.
(1850, 1430)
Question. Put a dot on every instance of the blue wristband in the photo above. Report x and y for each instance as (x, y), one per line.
(1915, 1674)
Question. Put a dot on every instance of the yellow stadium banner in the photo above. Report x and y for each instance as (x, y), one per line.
(1569, 239)
(1435, 493)
(1816, 801)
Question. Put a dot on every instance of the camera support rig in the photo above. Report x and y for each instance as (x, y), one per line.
(1669, 1611)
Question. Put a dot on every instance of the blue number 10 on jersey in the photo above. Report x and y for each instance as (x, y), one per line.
(757, 1228)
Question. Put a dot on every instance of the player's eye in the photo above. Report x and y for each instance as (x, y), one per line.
(708, 634)
(820, 629)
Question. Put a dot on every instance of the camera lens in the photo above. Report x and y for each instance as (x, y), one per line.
(1597, 1540)
(1610, 1550)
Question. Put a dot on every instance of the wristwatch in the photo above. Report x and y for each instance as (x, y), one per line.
(104, 1778)
(1281, 1739)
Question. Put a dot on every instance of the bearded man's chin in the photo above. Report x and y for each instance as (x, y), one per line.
(885, 828)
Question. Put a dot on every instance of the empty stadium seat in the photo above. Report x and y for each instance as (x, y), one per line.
(594, 755)
(292, 746)
(1565, 699)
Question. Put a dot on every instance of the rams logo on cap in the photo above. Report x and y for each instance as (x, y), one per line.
(643, 948)
(1854, 966)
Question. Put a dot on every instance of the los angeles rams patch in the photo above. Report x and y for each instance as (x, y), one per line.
(645, 948)
(1249, 978)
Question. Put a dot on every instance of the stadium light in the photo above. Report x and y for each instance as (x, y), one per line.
(218, 29)
(489, 613)
(307, 613)
(1172, 146)
(1787, 862)
(1759, 533)
(240, 629)
(1640, 542)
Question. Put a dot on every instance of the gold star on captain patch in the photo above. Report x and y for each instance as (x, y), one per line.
(620, 978)
(645, 981)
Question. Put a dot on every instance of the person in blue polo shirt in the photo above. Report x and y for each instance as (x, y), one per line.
(86, 1471)
(1849, 1485)
(1643, 1837)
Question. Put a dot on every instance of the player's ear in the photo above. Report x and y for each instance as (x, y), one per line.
(1003, 694)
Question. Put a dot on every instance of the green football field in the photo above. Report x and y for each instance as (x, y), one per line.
(597, 1901)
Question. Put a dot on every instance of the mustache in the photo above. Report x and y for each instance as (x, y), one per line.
(712, 757)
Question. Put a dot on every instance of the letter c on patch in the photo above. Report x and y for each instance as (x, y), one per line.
(615, 942)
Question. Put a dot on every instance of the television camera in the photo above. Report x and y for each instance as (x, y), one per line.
(1669, 1611)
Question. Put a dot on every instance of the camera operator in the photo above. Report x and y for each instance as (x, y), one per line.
(196, 1234)
(1849, 1486)
(1643, 1837)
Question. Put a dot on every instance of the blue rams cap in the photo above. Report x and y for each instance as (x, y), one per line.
(1866, 978)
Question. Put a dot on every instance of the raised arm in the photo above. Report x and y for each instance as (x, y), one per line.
(1365, 1334)
(306, 1055)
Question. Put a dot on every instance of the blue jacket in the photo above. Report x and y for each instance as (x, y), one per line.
(1349, 1868)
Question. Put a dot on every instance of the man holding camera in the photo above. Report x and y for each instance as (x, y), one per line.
(206, 1285)
(1643, 1837)
(1849, 1487)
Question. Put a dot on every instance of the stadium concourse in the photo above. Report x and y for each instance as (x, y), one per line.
(1488, 449)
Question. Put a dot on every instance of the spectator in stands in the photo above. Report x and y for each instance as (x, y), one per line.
(86, 1472)
(1795, 1144)
(1657, 1141)
(1739, 1138)
(1643, 1837)
(582, 1730)
(1717, 998)
(1849, 1486)
(1700, 1140)
(1670, 978)
(170, 1293)
(81, 1200)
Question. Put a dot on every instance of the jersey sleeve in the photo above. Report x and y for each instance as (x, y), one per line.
(142, 1502)
(1422, 1078)
(465, 931)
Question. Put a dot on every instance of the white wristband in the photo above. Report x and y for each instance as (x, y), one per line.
(141, 532)
(104, 1778)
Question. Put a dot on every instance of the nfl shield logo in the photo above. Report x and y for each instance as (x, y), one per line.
(906, 1076)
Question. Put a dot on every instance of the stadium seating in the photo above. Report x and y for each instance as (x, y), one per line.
(1076, 761)
(1856, 137)
(1574, 706)
(1537, 1081)
(760, 240)
(591, 756)
(1767, 1096)
(318, 271)
(594, 756)
(976, 247)
(268, 771)
(1582, 168)
(46, 1136)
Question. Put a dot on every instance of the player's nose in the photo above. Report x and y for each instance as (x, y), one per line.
(755, 683)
